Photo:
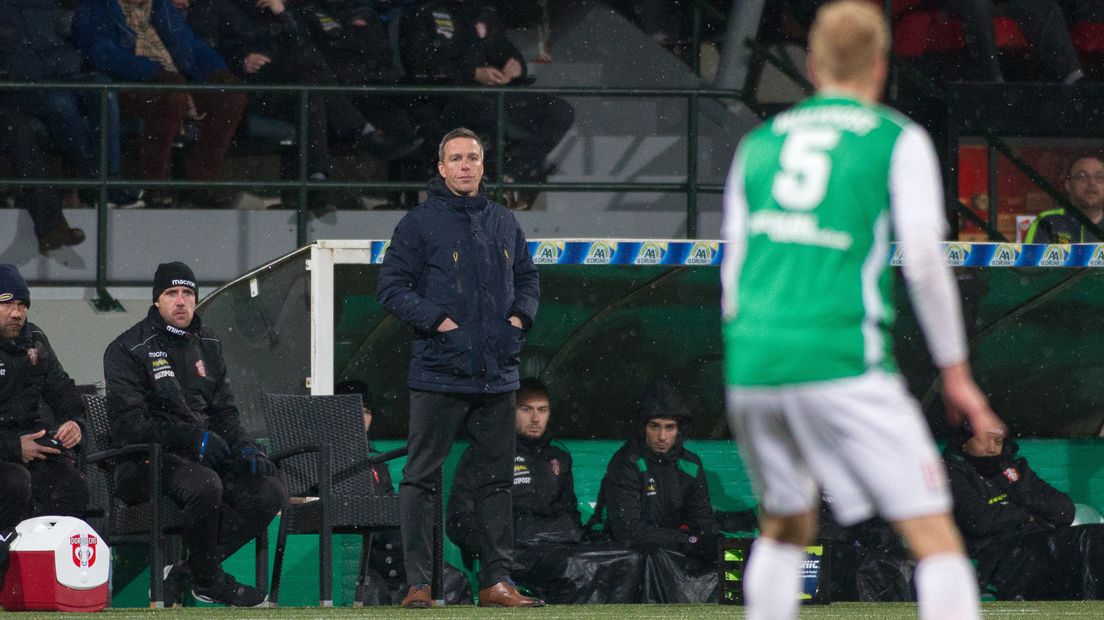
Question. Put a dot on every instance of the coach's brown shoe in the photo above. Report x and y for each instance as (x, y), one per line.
(505, 594)
(418, 597)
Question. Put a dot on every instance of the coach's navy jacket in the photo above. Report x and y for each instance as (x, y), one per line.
(464, 258)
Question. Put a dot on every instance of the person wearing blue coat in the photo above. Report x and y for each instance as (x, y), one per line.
(459, 273)
(149, 41)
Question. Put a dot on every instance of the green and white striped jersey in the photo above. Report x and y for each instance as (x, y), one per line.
(808, 220)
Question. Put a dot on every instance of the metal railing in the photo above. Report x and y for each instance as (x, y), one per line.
(691, 187)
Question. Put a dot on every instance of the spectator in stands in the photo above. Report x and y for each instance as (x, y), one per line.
(1042, 24)
(24, 149)
(1085, 189)
(453, 42)
(71, 116)
(149, 41)
(166, 384)
(264, 43)
(38, 473)
(654, 498)
(469, 314)
(547, 557)
(1018, 527)
(355, 43)
(384, 585)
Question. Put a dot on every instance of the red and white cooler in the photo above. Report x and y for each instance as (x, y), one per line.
(56, 563)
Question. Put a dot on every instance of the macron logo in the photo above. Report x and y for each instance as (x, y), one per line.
(184, 283)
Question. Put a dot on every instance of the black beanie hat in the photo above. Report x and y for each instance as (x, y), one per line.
(173, 274)
(353, 386)
(12, 285)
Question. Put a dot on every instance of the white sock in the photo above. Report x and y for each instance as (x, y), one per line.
(946, 588)
(772, 580)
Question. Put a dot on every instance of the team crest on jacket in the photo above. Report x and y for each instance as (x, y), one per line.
(555, 463)
(201, 368)
(1011, 474)
(32, 356)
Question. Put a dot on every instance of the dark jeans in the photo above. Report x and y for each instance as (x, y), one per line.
(50, 487)
(163, 115)
(535, 125)
(73, 119)
(221, 512)
(1042, 22)
(22, 145)
(435, 420)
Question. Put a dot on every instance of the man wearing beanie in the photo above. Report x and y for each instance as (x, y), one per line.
(38, 475)
(166, 384)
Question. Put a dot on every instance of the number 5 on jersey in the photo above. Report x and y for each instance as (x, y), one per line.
(801, 183)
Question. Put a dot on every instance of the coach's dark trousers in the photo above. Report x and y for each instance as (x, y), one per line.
(435, 420)
(221, 513)
(50, 487)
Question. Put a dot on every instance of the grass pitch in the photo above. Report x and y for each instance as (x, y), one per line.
(837, 611)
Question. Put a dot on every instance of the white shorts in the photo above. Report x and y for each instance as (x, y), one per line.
(863, 440)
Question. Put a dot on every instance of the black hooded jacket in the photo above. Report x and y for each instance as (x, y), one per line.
(446, 41)
(237, 28)
(656, 500)
(545, 506)
(163, 383)
(30, 373)
(1001, 497)
(464, 258)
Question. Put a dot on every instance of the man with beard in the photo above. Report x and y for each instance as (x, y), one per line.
(547, 558)
(38, 474)
(655, 500)
(166, 384)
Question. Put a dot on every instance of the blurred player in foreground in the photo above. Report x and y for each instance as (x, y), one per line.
(814, 397)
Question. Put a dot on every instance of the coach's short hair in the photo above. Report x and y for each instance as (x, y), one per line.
(459, 132)
(846, 39)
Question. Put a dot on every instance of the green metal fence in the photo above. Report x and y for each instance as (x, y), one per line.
(692, 186)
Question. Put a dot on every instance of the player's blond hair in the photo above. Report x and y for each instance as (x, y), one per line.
(846, 39)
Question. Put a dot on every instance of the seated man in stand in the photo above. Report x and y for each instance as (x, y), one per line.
(548, 558)
(654, 499)
(27, 151)
(265, 42)
(1085, 188)
(1017, 527)
(463, 43)
(149, 41)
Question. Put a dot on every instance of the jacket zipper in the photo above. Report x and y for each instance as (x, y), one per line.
(456, 270)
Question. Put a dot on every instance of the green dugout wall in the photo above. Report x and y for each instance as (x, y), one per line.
(617, 315)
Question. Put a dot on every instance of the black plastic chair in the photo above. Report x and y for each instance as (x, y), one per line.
(320, 447)
(156, 523)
